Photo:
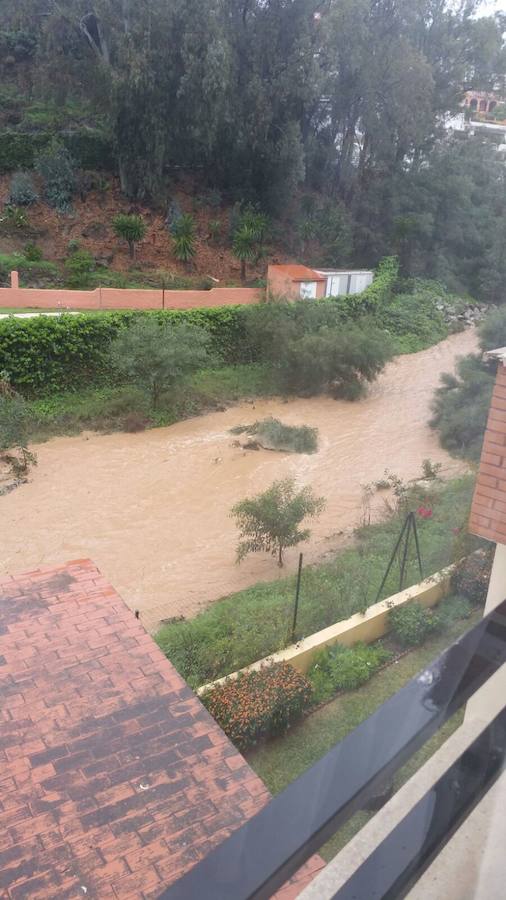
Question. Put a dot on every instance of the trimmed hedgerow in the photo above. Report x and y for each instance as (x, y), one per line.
(259, 704)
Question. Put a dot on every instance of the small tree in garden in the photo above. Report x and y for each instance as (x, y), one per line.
(157, 356)
(270, 522)
(130, 228)
(183, 235)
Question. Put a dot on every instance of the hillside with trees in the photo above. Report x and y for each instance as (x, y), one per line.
(324, 116)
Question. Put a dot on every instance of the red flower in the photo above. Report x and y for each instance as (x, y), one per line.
(424, 512)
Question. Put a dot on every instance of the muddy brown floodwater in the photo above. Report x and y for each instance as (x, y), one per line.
(152, 509)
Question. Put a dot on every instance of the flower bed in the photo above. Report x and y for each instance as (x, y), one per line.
(259, 704)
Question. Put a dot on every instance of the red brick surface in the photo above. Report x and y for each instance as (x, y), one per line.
(114, 780)
(488, 512)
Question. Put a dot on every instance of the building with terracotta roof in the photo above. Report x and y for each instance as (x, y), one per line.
(296, 282)
(115, 780)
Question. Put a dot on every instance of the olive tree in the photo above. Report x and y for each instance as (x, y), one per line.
(157, 355)
(271, 521)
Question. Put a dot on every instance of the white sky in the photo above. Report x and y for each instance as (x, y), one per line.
(491, 6)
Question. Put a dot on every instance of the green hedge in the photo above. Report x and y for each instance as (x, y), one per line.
(90, 149)
(46, 354)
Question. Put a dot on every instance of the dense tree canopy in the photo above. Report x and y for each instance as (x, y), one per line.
(292, 104)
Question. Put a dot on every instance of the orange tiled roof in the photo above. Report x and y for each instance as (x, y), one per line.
(114, 778)
(299, 273)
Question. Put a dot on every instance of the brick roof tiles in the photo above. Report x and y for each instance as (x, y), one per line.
(299, 273)
(114, 780)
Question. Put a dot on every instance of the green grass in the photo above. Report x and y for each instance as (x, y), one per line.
(251, 624)
(121, 407)
(284, 759)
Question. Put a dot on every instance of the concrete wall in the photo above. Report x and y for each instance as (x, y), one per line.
(115, 298)
(358, 629)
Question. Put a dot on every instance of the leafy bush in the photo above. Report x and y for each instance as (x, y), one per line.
(341, 668)
(79, 268)
(13, 219)
(273, 435)
(33, 253)
(411, 624)
(22, 190)
(259, 705)
(91, 149)
(18, 149)
(156, 356)
(41, 270)
(57, 169)
(270, 521)
(472, 576)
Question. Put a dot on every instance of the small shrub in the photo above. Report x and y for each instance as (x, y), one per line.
(259, 704)
(57, 169)
(79, 269)
(341, 668)
(22, 190)
(14, 219)
(472, 576)
(214, 226)
(270, 522)
(32, 252)
(411, 624)
(183, 234)
(430, 470)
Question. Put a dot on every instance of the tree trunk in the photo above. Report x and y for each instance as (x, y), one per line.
(280, 556)
(131, 248)
(243, 270)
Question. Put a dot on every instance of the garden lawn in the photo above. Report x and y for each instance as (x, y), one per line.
(251, 624)
(284, 759)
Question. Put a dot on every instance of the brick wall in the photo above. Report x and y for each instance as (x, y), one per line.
(488, 512)
(115, 298)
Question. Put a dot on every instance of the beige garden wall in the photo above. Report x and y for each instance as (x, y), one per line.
(358, 629)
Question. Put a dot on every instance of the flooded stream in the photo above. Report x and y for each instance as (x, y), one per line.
(152, 509)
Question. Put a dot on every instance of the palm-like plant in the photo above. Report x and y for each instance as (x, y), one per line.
(244, 246)
(183, 235)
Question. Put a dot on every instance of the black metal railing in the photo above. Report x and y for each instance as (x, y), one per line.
(263, 854)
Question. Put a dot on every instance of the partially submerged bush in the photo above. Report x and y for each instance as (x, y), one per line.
(274, 435)
(341, 668)
(259, 704)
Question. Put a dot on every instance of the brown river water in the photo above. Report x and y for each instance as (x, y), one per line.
(152, 509)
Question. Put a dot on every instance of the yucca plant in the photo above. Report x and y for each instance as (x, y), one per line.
(183, 235)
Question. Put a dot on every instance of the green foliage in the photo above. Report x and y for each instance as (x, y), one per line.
(259, 705)
(472, 576)
(41, 271)
(251, 624)
(79, 268)
(248, 237)
(339, 668)
(270, 522)
(33, 253)
(14, 219)
(183, 236)
(130, 228)
(57, 170)
(413, 317)
(274, 435)
(92, 149)
(156, 356)
(14, 421)
(22, 189)
(411, 624)
(18, 150)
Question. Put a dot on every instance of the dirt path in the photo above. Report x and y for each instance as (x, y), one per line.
(152, 509)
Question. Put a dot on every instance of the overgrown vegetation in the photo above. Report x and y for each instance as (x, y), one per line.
(14, 431)
(339, 668)
(253, 623)
(270, 522)
(461, 404)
